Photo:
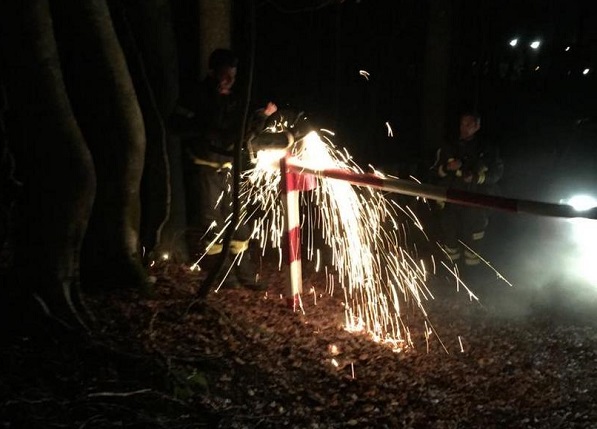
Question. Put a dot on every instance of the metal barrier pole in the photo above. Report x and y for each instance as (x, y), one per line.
(292, 183)
(455, 196)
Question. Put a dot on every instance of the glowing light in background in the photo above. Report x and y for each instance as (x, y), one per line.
(535, 44)
(513, 42)
(582, 202)
(584, 236)
(586, 71)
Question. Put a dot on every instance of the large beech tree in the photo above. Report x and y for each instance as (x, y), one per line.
(105, 104)
(78, 90)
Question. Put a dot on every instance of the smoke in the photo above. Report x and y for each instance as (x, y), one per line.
(550, 262)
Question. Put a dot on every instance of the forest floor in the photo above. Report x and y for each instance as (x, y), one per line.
(244, 359)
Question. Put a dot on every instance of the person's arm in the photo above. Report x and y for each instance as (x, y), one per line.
(446, 165)
(492, 169)
(259, 118)
(488, 169)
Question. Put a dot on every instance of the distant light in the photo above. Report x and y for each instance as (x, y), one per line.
(586, 71)
(535, 44)
(584, 238)
(513, 42)
(567, 48)
(582, 202)
(165, 256)
(537, 68)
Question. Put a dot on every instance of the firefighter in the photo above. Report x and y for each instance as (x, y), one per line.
(213, 118)
(468, 164)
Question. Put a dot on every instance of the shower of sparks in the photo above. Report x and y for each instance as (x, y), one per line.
(390, 132)
(363, 231)
(364, 73)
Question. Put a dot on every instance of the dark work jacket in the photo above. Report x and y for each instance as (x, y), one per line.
(208, 123)
(478, 158)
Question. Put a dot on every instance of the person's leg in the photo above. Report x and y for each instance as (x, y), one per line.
(450, 225)
(243, 268)
(214, 208)
(193, 197)
(475, 223)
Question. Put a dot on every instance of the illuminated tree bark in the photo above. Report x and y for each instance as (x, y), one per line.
(106, 107)
(145, 31)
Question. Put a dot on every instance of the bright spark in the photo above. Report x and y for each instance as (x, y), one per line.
(390, 132)
(363, 230)
(364, 73)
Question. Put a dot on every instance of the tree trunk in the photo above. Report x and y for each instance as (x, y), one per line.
(55, 162)
(144, 29)
(110, 118)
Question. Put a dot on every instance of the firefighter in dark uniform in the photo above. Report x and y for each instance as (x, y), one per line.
(467, 164)
(214, 118)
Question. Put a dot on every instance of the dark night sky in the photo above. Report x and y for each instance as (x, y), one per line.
(310, 60)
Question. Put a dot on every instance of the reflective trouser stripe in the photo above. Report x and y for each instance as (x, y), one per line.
(478, 235)
(453, 252)
(216, 165)
(237, 246)
(214, 249)
(471, 258)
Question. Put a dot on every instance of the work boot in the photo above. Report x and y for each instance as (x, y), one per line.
(244, 270)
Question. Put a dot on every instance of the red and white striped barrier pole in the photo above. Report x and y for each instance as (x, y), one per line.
(292, 184)
(455, 196)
